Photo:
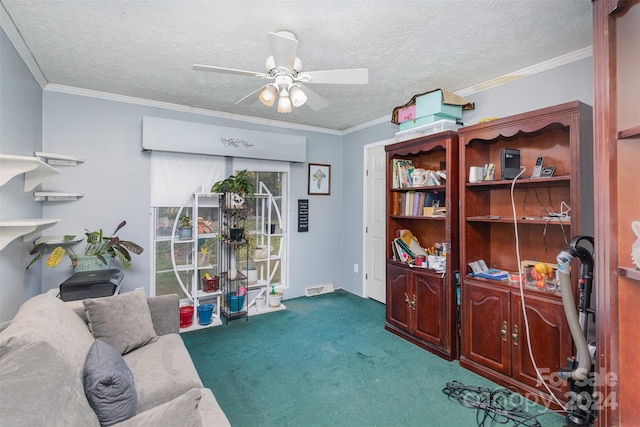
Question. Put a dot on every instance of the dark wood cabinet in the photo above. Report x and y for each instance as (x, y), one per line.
(485, 324)
(421, 303)
(505, 222)
(416, 306)
(550, 341)
(495, 340)
(616, 31)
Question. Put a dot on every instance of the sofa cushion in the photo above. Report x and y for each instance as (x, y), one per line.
(182, 411)
(39, 387)
(162, 370)
(211, 413)
(108, 384)
(122, 321)
(46, 318)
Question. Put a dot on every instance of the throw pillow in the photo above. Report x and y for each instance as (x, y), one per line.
(40, 386)
(122, 321)
(108, 384)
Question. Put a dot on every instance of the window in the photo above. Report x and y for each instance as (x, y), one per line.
(175, 177)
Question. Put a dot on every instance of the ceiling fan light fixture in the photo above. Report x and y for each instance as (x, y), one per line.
(297, 95)
(284, 104)
(268, 95)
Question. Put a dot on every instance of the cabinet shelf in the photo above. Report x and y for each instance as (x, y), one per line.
(35, 170)
(421, 217)
(422, 188)
(534, 221)
(629, 273)
(27, 228)
(525, 182)
(633, 132)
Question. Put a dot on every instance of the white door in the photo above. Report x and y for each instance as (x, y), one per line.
(374, 263)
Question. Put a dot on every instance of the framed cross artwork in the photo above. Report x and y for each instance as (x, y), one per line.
(319, 179)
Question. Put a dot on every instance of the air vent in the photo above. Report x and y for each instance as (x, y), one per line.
(317, 290)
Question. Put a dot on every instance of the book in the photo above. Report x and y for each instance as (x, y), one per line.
(493, 273)
(479, 269)
(415, 211)
(403, 256)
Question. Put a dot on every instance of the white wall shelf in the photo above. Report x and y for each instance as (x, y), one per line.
(35, 170)
(58, 159)
(53, 196)
(58, 241)
(29, 229)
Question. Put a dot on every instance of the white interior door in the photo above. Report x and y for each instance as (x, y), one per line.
(374, 263)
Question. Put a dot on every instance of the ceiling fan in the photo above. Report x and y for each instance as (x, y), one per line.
(284, 69)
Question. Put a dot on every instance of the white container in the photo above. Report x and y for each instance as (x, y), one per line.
(251, 274)
(275, 299)
(428, 129)
(261, 302)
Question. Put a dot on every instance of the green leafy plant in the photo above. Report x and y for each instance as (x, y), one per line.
(185, 221)
(98, 245)
(240, 184)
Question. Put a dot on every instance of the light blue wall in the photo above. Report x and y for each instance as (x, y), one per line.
(115, 175)
(20, 134)
(115, 181)
(570, 82)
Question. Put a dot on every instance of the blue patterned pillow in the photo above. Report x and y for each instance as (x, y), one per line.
(108, 384)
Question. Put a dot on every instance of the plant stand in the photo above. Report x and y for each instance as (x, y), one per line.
(233, 253)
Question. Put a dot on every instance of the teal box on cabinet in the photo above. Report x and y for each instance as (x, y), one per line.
(424, 121)
(433, 103)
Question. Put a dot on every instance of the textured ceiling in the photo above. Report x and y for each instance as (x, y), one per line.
(146, 49)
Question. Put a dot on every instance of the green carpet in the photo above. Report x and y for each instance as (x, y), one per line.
(327, 361)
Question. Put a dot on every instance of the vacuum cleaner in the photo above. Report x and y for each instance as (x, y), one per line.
(580, 371)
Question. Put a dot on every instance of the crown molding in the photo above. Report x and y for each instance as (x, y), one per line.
(504, 79)
(529, 71)
(70, 90)
(498, 81)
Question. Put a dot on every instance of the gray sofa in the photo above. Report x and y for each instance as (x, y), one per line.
(44, 365)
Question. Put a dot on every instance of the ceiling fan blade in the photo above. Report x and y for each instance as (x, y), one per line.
(251, 98)
(353, 76)
(314, 101)
(211, 68)
(283, 48)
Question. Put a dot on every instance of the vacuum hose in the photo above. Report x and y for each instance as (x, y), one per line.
(564, 260)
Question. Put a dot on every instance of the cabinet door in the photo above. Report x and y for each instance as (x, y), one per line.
(550, 341)
(485, 316)
(398, 290)
(430, 308)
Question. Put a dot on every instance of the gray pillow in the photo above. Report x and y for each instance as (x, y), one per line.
(108, 384)
(122, 321)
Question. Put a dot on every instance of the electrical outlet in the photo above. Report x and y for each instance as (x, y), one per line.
(355, 268)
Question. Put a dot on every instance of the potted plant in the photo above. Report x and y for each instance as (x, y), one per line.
(185, 228)
(99, 251)
(235, 188)
(275, 297)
